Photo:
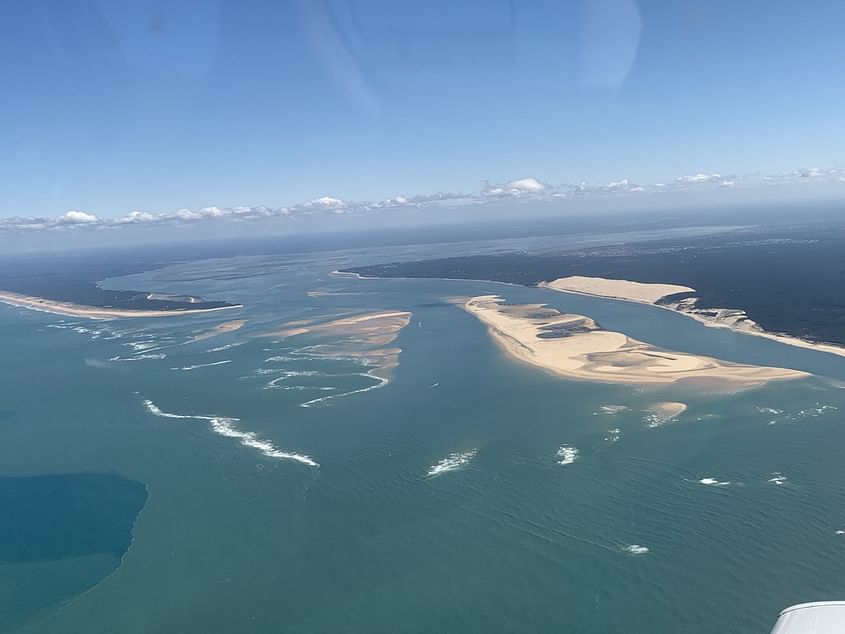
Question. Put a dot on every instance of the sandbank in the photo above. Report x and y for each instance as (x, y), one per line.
(366, 337)
(576, 347)
(220, 329)
(730, 318)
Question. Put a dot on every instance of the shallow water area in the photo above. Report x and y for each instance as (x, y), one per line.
(466, 492)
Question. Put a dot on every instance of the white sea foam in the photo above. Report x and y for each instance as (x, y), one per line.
(567, 454)
(155, 410)
(139, 357)
(610, 410)
(225, 426)
(381, 383)
(226, 347)
(636, 549)
(818, 410)
(280, 358)
(840, 532)
(713, 482)
(141, 346)
(769, 410)
(452, 462)
(287, 374)
(202, 365)
(777, 478)
(613, 435)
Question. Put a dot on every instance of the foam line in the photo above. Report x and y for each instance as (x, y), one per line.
(225, 426)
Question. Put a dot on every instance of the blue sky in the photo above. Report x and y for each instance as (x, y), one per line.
(154, 106)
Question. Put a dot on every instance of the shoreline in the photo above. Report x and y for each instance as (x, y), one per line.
(688, 308)
(352, 274)
(709, 322)
(70, 309)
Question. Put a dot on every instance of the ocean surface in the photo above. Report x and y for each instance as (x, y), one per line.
(243, 483)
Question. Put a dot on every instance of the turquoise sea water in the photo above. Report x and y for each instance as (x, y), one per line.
(180, 518)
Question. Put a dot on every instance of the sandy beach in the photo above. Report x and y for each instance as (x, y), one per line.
(730, 318)
(94, 312)
(576, 347)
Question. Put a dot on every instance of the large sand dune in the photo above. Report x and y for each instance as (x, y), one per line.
(730, 318)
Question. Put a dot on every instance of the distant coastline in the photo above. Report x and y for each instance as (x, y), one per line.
(72, 309)
(643, 293)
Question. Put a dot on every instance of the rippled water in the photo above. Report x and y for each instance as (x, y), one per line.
(468, 494)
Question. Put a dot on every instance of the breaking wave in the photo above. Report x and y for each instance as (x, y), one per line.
(567, 455)
(381, 383)
(713, 482)
(452, 462)
(225, 426)
(610, 410)
(140, 357)
(226, 347)
(777, 478)
(202, 365)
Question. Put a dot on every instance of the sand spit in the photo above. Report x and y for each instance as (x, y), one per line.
(576, 347)
(94, 312)
(364, 337)
(221, 329)
(730, 318)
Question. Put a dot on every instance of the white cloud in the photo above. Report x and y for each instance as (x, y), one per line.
(623, 186)
(136, 216)
(698, 178)
(79, 217)
(521, 189)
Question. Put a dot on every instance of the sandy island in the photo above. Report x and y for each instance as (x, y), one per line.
(730, 318)
(366, 337)
(668, 410)
(95, 312)
(221, 329)
(576, 347)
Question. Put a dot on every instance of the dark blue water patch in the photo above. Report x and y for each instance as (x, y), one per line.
(54, 517)
(6, 414)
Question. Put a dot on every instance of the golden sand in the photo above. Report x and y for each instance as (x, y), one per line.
(729, 318)
(576, 347)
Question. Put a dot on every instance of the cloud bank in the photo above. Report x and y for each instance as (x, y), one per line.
(522, 189)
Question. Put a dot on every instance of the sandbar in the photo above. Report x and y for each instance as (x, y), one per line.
(95, 312)
(366, 337)
(668, 410)
(730, 318)
(220, 329)
(576, 347)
